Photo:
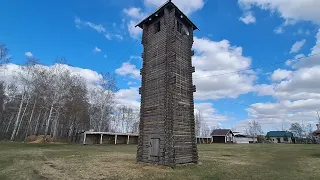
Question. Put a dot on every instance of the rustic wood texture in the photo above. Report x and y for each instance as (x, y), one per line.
(167, 103)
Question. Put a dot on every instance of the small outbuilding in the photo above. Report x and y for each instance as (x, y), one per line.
(244, 139)
(316, 135)
(222, 136)
(280, 136)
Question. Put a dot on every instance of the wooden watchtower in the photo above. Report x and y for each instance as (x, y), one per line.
(167, 124)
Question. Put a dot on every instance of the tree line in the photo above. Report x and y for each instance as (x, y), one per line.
(52, 101)
(56, 103)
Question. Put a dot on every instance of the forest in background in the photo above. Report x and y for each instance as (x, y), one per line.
(51, 101)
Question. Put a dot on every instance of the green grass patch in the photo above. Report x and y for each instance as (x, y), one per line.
(218, 162)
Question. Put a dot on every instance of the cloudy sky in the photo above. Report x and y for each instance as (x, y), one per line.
(254, 59)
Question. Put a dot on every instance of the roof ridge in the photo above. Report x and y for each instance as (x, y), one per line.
(162, 6)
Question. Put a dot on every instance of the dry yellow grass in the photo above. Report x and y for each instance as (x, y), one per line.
(49, 161)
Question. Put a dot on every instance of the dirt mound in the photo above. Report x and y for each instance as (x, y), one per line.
(39, 139)
(31, 138)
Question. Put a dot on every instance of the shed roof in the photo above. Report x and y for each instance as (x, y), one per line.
(221, 132)
(280, 134)
(317, 132)
(242, 135)
(161, 8)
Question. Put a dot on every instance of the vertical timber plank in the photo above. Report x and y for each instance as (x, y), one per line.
(101, 138)
(84, 138)
(115, 139)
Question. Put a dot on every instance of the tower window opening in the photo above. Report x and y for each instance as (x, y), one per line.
(157, 27)
(179, 26)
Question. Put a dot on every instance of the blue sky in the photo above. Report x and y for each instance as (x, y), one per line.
(94, 35)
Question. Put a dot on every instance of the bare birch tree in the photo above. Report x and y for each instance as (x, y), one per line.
(254, 129)
(51, 101)
(102, 99)
(4, 55)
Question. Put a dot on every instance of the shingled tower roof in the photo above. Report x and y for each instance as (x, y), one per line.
(169, 5)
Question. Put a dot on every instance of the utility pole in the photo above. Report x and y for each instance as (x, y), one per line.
(318, 125)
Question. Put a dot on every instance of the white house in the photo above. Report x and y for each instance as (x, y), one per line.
(244, 139)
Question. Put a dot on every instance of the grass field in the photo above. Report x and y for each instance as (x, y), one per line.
(218, 161)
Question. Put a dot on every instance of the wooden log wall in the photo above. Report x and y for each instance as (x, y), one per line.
(167, 105)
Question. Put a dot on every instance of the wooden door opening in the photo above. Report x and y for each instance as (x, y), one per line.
(154, 149)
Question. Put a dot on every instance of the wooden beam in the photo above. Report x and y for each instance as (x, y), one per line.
(128, 140)
(115, 139)
(101, 138)
(84, 138)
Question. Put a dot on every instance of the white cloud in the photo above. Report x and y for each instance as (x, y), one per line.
(13, 70)
(123, 24)
(313, 59)
(297, 46)
(135, 13)
(213, 62)
(129, 97)
(96, 50)
(9, 72)
(316, 48)
(280, 115)
(248, 18)
(297, 10)
(302, 80)
(134, 31)
(281, 74)
(287, 112)
(108, 36)
(90, 76)
(209, 114)
(293, 85)
(128, 69)
(279, 30)
(264, 89)
(119, 36)
(98, 27)
(302, 32)
(105, 56)
(296, 92)
(135, 57)
(28, 54)
(187, 7)
(131, 83)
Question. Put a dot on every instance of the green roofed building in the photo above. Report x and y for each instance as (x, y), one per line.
(280, 136)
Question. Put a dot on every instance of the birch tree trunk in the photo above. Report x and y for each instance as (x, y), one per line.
(30, 119)
(42, 127)
(101, 119)
(71, 129)
(24, 112)
(48, 122)
(11, 118)
(18, 117)
(55, 127)
(37, 124)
